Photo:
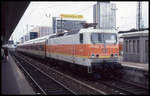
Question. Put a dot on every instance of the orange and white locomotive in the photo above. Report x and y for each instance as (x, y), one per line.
(93, 49)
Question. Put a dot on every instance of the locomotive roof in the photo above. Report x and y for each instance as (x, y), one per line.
(98, 30)
(85, 30)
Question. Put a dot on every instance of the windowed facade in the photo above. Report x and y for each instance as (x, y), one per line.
(130, 46)
(126, 46)
(138, 46)
(133, 46)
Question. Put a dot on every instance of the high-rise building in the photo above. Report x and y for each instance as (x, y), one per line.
(104, 14)
(42, 30)
(66, 24)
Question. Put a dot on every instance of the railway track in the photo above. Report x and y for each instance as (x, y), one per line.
(116, 86)
(44, 83)
(125, 87)
(74, 86)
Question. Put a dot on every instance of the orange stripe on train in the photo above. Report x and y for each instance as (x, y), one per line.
(83, 49)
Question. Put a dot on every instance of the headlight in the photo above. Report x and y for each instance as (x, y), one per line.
(92, 56)
(115, 55)
(112, 55)
(97, 55)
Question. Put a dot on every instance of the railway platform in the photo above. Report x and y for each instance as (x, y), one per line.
(141, 66)
(13, 80)
(135, 72)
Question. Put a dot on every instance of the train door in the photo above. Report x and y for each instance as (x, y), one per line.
(77, 41)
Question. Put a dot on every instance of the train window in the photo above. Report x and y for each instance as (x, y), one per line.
(96, 38)
(103, 38)
(34, 47)
(40, 47)
(81, 38)
(110, 38)
(37, 47)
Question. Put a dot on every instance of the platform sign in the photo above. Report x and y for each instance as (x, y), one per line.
(74, 16)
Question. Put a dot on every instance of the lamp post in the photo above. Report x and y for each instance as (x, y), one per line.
(48, 16)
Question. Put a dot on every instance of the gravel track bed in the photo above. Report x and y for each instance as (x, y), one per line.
(95, 84)
(49, 86)
(32, 84)
(128, 88)
(71, 84)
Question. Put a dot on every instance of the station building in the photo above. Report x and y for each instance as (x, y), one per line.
(135, 47)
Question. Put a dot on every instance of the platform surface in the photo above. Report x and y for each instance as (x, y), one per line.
(141, 66)
(13, 80)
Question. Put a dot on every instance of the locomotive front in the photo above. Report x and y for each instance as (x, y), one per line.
(104, 51)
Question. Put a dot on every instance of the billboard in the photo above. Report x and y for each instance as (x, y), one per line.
(71, 16)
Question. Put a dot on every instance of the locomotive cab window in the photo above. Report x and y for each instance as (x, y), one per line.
(103, 38)
(110, 38)
(81, 38)
(96, 38)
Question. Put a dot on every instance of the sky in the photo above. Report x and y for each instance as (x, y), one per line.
(35, 14)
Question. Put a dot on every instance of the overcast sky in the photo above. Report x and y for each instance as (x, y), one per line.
(36, 14)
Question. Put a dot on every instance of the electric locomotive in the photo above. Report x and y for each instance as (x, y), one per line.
(93, 49)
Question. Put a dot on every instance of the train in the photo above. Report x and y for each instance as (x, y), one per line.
(92, 49)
